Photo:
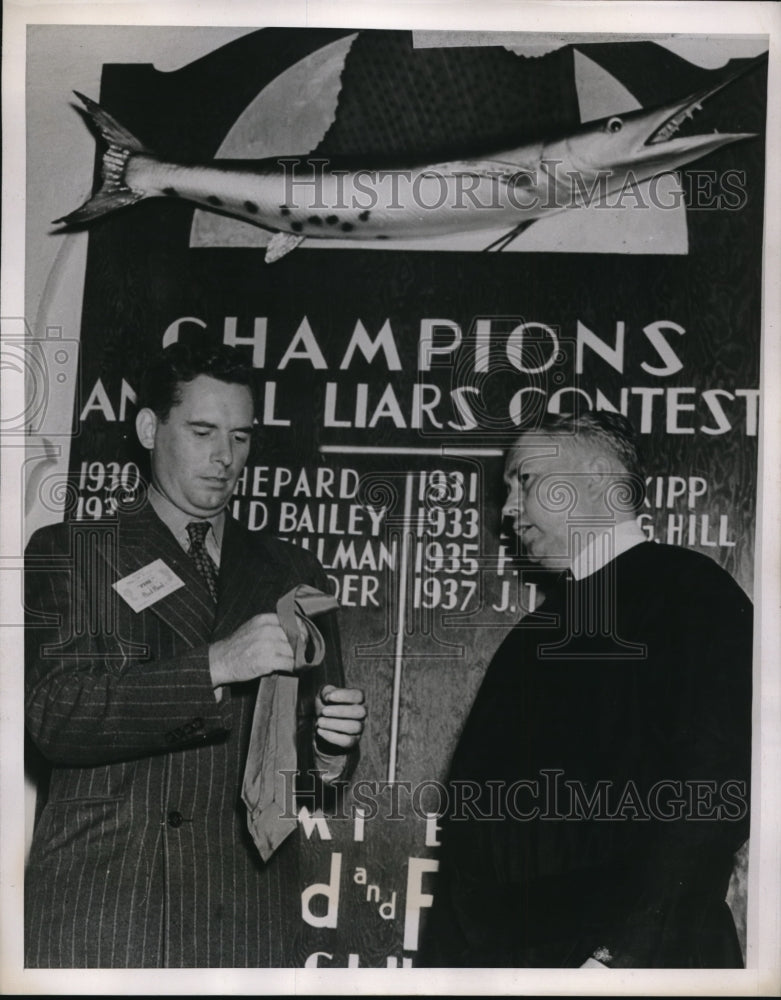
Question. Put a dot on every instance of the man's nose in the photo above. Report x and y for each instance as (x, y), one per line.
(223, 452)
(513, 505)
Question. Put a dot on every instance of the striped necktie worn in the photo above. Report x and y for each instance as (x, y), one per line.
(197, 531)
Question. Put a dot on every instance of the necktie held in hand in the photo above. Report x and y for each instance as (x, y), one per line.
(272, 759)
(197, 531)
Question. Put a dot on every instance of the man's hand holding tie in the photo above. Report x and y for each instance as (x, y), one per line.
(258, 647)
(339, 717)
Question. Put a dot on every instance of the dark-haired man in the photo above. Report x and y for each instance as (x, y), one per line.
(599, 788)
(147, 636)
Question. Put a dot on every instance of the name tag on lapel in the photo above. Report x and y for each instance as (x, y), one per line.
(148, 585)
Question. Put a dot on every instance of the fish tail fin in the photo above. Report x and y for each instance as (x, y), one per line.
(114, 133)
(114, 192)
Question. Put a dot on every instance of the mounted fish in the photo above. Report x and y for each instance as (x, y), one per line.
(296, 197)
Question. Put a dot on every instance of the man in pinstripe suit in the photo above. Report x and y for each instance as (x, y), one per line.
(141, 855)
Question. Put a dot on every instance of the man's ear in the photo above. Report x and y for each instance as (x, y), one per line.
(599, 472)
(146, 427)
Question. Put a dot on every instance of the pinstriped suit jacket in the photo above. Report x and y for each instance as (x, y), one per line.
(141, 856)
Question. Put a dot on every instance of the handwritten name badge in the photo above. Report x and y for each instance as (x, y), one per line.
(148, 585)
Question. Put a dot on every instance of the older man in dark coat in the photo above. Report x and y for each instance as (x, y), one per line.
(600, 786)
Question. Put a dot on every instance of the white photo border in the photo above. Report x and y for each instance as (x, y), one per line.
(611, 17)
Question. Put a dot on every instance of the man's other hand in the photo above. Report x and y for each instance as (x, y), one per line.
(339, 716)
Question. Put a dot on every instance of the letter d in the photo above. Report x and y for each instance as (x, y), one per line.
(328, 889)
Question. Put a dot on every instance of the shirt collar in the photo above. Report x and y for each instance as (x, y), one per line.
(176, 520)
(605, 546)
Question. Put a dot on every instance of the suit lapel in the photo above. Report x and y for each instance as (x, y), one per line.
(249, 578)
(189, 611)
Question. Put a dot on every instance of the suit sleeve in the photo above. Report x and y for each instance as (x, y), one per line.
(708, 654)
(92, 697)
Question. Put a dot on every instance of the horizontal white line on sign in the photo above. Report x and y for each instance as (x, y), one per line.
(368, 449)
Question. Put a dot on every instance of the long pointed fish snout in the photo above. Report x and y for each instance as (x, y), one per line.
(679, 111)
(664, 123)
(657, 131)
(647, 141)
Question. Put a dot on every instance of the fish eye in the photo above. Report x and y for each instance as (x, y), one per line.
(614, 125)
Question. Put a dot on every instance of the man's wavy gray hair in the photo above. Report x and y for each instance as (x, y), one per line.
(610, 433)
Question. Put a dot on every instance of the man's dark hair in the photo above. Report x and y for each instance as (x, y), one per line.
(160, 386)
(610, 432)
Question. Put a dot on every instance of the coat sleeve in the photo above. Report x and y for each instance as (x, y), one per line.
(707, 653)
(91, 697)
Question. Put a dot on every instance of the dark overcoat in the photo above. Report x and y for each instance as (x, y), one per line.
(600, 786)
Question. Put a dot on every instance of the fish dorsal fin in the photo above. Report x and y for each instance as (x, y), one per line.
(281, 244)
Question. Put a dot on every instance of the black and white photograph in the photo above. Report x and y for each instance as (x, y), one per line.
(390, 559)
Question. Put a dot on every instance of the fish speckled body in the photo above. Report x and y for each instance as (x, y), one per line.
(299, 197)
